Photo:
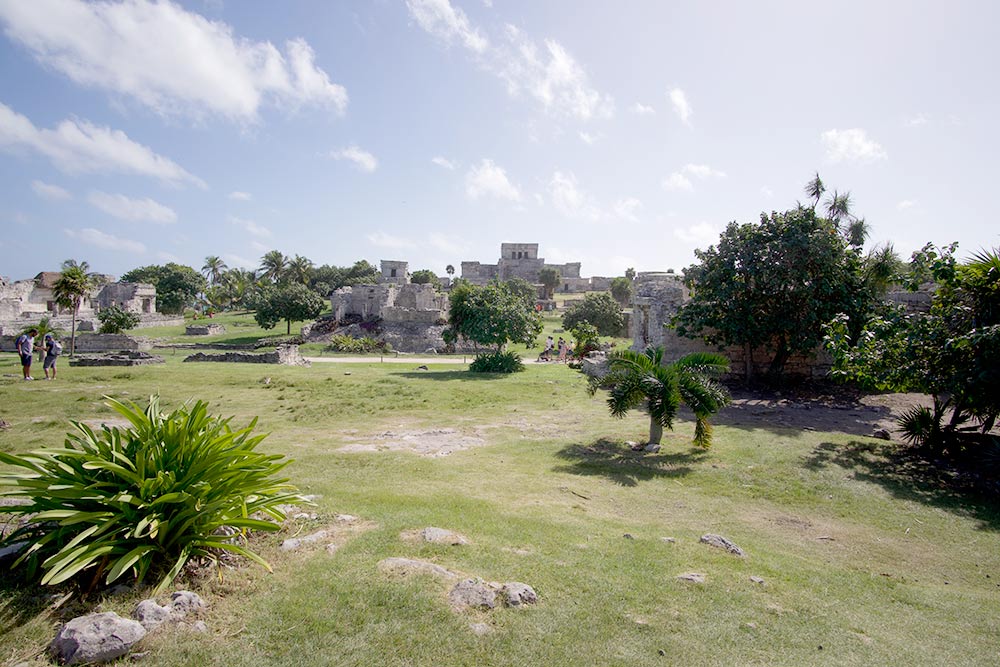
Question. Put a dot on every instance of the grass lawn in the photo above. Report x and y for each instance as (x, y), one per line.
(862, 564)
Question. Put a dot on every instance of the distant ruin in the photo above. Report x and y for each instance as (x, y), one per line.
(521, 260)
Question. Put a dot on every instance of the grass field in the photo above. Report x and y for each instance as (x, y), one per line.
(862, 564)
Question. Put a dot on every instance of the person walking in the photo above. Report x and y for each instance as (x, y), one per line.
(562, 349)
(25, 345)
(53, 349)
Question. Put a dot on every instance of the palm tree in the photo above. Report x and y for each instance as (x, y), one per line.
(73, 284)
(273, 265)
(213, 269)
(815, 189)
(640, 379)
(450, 270)
(300, 269)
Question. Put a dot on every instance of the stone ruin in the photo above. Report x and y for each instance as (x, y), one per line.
(123, 358)
(521, 260)
(204, 330)
(286, 355)
(657, 297)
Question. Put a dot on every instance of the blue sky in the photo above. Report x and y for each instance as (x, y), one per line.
(616, 134)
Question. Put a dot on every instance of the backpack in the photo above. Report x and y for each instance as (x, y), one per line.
(56, 348)
(18, 341)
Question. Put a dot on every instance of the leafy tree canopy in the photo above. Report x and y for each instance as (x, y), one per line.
(176, 285)
(116, 319)
(493, 315)
(549, 277)
(425, 277)
(292, 303)
(599, 309)
(621, 290)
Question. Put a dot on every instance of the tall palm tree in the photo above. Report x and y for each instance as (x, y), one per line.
(450, 270)
(640, 379)
(273, 265)
(300, 269)
(838, 207)
(213, 269)
(815, 189)
(73, 284)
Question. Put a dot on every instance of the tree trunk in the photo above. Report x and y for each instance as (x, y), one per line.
(288, 329)
(72, 331)
(747, 362)
(655, 432)
(777, 367)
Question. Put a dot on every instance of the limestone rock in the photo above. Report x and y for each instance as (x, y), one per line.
(295, 542)
(473, 593)
(881, 434)
(652, 448)
(408, 566)
(693, 577)
(185, 602)
(443, 536)
(720, 542)
(96, 638)
(151, 615)
(516, 594)
(757, 580)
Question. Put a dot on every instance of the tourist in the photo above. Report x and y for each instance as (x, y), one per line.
(562, 349)
(25, 345)
(53, 349)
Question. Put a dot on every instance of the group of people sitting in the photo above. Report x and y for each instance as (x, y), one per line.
(563, 347)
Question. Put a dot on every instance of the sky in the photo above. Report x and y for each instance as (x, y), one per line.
(616, 134)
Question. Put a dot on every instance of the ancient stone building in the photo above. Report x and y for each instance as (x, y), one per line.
(35, 298)
(521, 260)
(393, 299)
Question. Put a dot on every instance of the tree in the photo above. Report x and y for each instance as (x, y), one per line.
(292, 303)
(450, 270)
(116, 319)
(300, 270)
(362, 272)
(213, 269)
(549, 278)
(73, 284)
(621, 290)
(630, 273)
(641, 379)
(425, 277)
(177, 286)
(599, 309)
(776, 283)
(273, 266)
(492, 315)
(952, 351)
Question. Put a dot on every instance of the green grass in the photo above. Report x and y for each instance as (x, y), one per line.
(547, 500)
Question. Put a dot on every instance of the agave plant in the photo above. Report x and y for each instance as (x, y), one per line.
(640, 379)
(144, 499)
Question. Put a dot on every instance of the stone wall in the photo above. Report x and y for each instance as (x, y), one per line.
(286, 355)
(133, 297)
(204, 330)
(109, 342)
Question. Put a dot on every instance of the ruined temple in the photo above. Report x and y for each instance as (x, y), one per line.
(521, 260)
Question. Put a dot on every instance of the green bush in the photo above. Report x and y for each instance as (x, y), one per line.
(598, 309)
(496, 362)
(586, 339)
(116, 319)
(143, 499)
(351, 345)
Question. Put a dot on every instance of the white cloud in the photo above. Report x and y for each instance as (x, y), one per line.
(851, 146)
(447, 23)
(679, 100)
(569, 201)
(48, 191)
(551, 76)
(447, 244)
(442, 162)
(80, 147)
(627, 208)
(236, 195)
(681, 180)
(905, 205)
(97, 238)
(588, 138)
(251, 227)
(642, 109)
(384, 240)
(236, 261)
(766, 191)
(169, 59)
(362, 159)
(678, 182)
(133, 210)
(916, 121)
(490, 180)
(700, 234)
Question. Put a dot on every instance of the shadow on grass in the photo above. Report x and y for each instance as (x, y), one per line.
(20, 601)
(618, 463)
(450, 376)
(909, 477)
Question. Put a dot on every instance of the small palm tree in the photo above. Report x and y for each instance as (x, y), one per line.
(300, 269)
(213, 269)
(274, 265)
(640, 379)
(450, 270)
(73, 284)
(815, 189)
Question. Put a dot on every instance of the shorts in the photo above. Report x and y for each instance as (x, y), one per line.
(50, 361)
(25, 359)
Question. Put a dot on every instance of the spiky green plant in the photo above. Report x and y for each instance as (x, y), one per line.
(144, 499)
(640, 379)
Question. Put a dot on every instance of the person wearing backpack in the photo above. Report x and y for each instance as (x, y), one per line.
(25, 345)
(53, 349)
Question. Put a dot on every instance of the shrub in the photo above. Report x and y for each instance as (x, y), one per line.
(496, 362)
(351, 345)
(598, 309)
(144, 499)
(116, 319)
(586, 339)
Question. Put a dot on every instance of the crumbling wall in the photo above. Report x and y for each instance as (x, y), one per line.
(286, 355)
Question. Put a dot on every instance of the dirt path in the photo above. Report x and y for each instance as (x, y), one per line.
(407, 359)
